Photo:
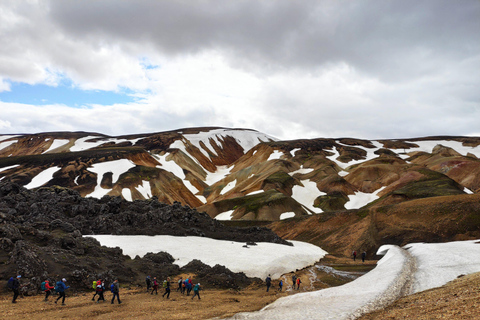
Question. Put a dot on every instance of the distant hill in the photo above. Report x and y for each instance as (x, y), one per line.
(242, 174)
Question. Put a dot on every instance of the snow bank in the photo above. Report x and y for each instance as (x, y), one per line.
(255, 261)
(307, 194)
(287, 215)
(42, 178)
(360, 199)
(117, 167)
(57, 143)
(9, 167)
(439, 263)
(227, 215)
(344, 302)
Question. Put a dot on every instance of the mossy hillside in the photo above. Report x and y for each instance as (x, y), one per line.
(434, 184)
(331, 202)
(252, 203)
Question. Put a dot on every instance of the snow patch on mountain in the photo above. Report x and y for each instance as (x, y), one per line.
(225, 216)
(42, 178)
(117, 167)
(360, 199)
(57, 143)
(307, 194)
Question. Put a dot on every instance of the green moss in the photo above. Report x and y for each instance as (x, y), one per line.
(331, 202)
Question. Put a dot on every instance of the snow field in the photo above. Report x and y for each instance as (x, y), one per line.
(82, 143)
(275, 155)
(5, 144)
(9, 167)
(341, 302)
(57, 143)
(245, 138)
(360, 199)
(42, 178)
(227, 215)
(287, 215)
(306, 195)
(117, 167)
(439, 263)
(255, 261)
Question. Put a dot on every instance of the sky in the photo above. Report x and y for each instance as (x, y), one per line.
(290, 69)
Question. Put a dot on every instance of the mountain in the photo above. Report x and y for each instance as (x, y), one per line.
(242, 174)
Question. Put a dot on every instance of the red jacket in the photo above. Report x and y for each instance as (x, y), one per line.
(48, 287)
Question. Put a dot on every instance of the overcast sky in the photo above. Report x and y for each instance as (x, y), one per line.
(291, 69)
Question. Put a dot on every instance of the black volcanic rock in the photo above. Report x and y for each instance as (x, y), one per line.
(41, 237)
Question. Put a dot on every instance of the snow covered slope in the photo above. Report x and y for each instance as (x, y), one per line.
(255, 261)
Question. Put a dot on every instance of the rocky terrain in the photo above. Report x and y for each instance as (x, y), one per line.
(41, 235)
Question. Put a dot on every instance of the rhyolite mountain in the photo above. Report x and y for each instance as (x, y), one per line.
(242, 174)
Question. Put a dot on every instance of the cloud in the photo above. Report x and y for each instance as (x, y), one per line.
(305, 69)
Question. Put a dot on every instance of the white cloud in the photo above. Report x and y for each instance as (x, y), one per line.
(292, 70)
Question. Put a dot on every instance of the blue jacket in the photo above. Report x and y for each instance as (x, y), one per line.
(61, 287)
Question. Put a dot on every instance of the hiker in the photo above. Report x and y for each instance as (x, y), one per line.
(47, 288)
(280, 286)
(364, 255)
(60, 288)
(155, 285)
(166, 285)
(354, 254)
(180, 284)
(101, 290)
(149, 283)
(294, 280)
(268, 281)
(298, 284)
(196, 291)
(188, 285)
(14, 285)
(115, 288)
(94, 286)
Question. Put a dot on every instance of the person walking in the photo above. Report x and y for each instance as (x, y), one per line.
(354, 254)
(364, 255)
(166, 285)
(280, 285)
(180, 284)
(294, 280)
(60, 288)
(14, 285)
(116, 291)
(94, 286)
(268, 281)
(48, 290)
(196, 291)
(188, 285)
(298, 284)
(148, 281)
(101, 290)
(155, 286)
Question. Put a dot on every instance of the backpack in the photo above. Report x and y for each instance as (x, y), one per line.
(164, 283)
(42, 286)
(94, 285)
(112, 287)
(10, 283)
(268, 280)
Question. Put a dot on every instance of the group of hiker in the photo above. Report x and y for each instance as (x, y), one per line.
(14, 284)
(99, 287)
(295, 283)
(354, 255)
(184, 286)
